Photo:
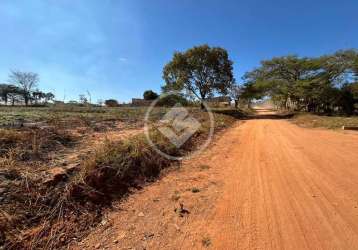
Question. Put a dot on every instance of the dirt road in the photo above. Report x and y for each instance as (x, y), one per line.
(264, 184)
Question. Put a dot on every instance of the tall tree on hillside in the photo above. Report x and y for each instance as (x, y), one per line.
(26, 81)
(201, 71)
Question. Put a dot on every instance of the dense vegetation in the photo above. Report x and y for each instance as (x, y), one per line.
(324, 85)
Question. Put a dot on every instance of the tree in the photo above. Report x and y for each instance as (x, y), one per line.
(26, 81)
(89, 97)
(49, 97)
(111, 103)
(322, 84)
(6, 90)
(251, 91)
(282, 78)
(235, 92)
(201, 71)
(172, 99)
(83, 99)
(38, 95)
(15, 97)
(150, 95)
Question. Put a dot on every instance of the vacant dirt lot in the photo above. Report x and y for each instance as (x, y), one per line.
(264, 184)
(59, 170)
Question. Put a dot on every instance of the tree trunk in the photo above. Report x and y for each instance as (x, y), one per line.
(26, 98)
(202, 100)
(202, 106)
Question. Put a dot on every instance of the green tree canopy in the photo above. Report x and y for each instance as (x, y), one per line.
(111, 103)
(312, 84)
(201, 71)
(7, 91)
(150, 95)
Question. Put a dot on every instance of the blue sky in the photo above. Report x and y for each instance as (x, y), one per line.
(117, 49)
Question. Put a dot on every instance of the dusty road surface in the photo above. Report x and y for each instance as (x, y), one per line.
(264, 184)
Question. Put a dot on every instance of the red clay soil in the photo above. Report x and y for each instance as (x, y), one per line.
(263, 184)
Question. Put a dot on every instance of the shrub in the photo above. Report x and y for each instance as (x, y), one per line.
(111, 103)
(118, 165)
(172, 99)
(150, 95)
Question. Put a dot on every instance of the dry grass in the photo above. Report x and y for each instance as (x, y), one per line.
(331, 122)
(32, 144)
(72, 116)
(34, 216)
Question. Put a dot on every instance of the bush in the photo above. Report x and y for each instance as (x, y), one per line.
(111, 103)
(172, 99)
(122, 164)
(150, 95)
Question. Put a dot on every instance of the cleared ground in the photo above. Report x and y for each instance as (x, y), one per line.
(264, 184)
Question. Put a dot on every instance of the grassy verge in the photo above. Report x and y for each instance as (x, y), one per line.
(51, 217)
(320, 121)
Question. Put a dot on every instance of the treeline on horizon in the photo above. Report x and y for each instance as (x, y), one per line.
(325, 84)
(23, 89)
